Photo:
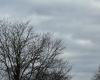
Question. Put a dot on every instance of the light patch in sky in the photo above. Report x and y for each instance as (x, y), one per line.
(85, 43)
(38, 19)
(96, 3)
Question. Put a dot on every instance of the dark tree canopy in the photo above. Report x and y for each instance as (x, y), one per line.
(26, 55)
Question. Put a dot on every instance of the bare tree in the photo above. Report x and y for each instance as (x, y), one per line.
(25, 55)
(97, 75)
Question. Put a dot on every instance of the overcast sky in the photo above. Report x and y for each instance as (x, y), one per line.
(77, 22)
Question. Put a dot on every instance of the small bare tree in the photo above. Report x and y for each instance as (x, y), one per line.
(25, 55)
(97, 75)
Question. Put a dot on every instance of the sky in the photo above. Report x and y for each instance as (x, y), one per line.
(76, 22)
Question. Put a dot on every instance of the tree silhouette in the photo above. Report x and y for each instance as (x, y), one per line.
(26, 55)
(97, 75)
